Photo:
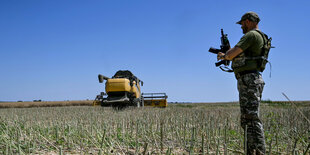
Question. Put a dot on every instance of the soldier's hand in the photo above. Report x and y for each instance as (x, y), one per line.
(220, 56)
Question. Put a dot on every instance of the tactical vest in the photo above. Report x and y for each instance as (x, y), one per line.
(250, 61)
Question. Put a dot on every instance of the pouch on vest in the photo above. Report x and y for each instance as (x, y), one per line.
(238, 61)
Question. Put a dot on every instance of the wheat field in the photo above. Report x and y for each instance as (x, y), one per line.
(204, 128)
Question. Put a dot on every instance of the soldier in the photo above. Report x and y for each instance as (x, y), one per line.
(247, 67)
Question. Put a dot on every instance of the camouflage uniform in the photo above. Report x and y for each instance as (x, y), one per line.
(250, 87)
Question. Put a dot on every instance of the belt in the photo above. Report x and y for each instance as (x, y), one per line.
(239, 74)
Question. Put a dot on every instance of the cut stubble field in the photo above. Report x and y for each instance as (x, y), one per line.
(200, 128)
(29, 104)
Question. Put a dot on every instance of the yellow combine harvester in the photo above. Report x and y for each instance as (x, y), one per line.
(124, 89)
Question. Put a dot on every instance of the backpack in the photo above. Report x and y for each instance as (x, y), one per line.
(263, 59)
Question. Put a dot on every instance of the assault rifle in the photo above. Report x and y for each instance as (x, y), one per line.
(225, 46)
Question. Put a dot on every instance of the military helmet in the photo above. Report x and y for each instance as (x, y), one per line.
(252, 16)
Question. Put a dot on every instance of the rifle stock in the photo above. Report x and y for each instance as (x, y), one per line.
(222, 62)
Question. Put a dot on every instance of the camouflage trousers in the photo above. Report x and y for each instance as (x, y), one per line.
(250, 87)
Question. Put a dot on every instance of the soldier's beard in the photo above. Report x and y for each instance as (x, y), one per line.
(244, 29)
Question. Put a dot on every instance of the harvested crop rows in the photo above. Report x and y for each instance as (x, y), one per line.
(45, 104)
(177, 129)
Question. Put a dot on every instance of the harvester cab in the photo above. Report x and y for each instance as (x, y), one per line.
(123, 89)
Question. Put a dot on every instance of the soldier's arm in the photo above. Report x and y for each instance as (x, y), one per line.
(233, 52)
(230, 54)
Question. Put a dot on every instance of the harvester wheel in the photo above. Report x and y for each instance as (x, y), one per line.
(138, 104)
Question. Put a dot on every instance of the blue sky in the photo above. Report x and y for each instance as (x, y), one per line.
(54, 50)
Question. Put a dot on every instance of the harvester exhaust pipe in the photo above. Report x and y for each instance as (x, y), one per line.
(101, 78)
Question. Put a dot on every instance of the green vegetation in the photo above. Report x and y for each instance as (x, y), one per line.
(187, 129)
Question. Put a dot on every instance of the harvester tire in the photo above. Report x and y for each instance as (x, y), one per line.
(136, 102)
